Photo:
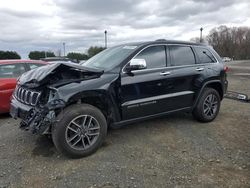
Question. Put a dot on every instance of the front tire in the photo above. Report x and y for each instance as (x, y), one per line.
(79, 131)
(208, 106)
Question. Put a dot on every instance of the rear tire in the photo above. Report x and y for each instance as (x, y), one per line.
(208, 106)
(79, 131)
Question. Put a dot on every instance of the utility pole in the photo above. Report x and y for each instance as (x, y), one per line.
(201, 29)
(64, 49)
(105, 36)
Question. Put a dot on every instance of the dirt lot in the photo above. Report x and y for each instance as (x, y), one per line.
(174, 151)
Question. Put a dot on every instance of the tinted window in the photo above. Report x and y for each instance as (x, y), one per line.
(11, 70)
(204, 55)
(34, 65)
(181, 55)
(154, 56)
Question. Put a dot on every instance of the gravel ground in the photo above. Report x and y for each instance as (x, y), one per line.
(174, 151)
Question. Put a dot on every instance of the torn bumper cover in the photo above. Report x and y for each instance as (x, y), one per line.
(40, 119)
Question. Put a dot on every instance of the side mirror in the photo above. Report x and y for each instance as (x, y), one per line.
(136, 64)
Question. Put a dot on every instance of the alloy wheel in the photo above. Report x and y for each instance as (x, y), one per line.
(82, 132)
(210, 105)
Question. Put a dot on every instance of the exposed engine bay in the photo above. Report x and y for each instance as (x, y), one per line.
(57, 74)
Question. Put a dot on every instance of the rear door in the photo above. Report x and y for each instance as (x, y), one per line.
(143, 92)
(186, 75)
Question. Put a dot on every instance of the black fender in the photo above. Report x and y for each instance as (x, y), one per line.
(203, 87)
(110, 107)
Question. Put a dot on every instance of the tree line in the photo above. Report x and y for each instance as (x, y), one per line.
(93, 50)
(36, 55)
(9, 55)
(233, 42)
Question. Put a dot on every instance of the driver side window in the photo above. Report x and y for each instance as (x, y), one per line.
(155, 56)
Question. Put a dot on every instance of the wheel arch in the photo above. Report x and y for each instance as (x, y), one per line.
(101, 100)
(215, 84)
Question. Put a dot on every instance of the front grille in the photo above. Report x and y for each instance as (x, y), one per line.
(27, 96)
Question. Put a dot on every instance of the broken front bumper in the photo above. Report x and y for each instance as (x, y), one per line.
(18, 109)
(37, 119)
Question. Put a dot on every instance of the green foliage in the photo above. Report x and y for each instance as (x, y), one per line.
(40, 54)
(77, 56)
(9, 55)
(93, 50)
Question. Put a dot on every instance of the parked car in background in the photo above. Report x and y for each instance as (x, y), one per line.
(226, 59)
(10, 70)
(59, 59)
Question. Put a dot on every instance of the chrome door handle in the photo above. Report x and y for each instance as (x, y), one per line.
(165, 73)
(199, 69)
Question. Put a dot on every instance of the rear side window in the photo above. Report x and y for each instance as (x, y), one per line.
(154, 56)
(11, 70)
(181, 55)
(204, 55)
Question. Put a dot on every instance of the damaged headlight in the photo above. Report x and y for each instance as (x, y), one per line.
(54, 101)
(57, 103)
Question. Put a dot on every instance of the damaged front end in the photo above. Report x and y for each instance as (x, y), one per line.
(39, 119)
(37, 99)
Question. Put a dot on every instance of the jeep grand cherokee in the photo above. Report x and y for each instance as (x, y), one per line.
(120, 85)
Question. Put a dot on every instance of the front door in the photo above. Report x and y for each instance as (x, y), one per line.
(143, 91)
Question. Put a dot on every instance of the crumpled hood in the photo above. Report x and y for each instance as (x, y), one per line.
(60, 71)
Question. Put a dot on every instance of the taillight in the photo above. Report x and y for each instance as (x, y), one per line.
(226, 68)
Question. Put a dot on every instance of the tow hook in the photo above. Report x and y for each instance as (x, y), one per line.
(237, 96)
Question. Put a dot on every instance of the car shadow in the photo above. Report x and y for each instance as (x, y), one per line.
(5, 116)
(44, 147)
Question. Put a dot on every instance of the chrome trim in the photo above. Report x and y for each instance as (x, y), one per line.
(180, 66)
(199, 69)
(26, 96)
(31, 96)
(165, 73)
(22, 97)
(157, 98)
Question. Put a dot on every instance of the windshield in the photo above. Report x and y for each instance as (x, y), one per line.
(109, 58)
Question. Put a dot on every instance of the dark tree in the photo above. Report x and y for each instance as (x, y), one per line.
(40, 54)
(9, 55)
(93, 50)
(77, 56)
(195, 39)
(231, 42)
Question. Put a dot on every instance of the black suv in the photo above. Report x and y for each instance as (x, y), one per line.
(120, 85)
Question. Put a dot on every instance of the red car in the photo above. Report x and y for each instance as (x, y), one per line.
(10, 70)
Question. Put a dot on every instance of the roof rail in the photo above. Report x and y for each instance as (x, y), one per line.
(161, 40)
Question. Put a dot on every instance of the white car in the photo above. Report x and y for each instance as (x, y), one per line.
(226, 59)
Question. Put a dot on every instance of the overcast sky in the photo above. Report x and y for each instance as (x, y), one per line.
(45, 24)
